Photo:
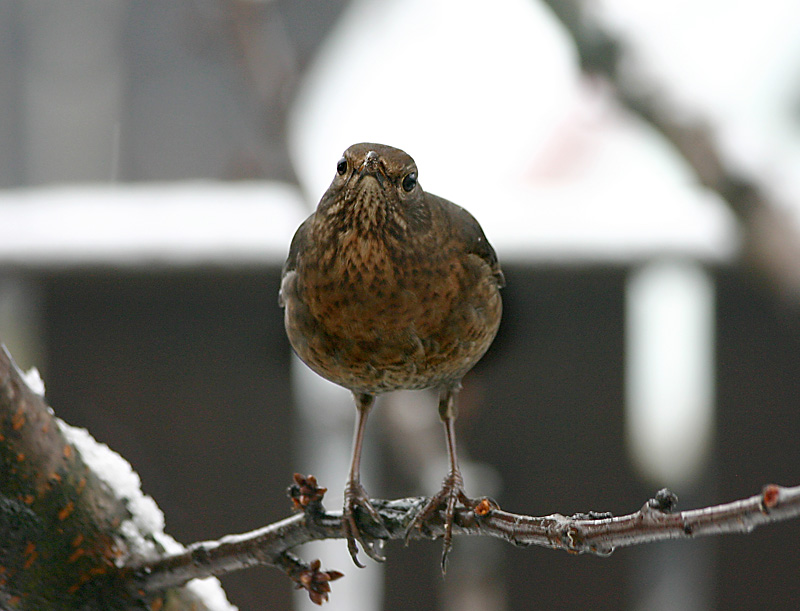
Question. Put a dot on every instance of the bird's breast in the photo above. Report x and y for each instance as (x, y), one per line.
(375, 313)
(365, 288)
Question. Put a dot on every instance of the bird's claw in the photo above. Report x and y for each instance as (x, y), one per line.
(452, 492)
(355, 497)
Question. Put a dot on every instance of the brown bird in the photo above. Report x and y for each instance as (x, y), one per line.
(387, 287)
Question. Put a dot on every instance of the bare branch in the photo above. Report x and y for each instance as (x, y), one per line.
(771, 237)
(45, 482)
(582, 533)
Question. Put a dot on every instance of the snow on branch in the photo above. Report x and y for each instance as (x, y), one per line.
(72, 517)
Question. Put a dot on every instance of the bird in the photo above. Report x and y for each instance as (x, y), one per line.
(388, 287)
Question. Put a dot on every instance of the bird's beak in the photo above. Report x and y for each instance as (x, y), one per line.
(372, 166)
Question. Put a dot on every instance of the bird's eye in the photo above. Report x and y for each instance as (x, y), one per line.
(341, 167)
(410, 181)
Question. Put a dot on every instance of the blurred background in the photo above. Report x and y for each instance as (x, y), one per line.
(636, 165)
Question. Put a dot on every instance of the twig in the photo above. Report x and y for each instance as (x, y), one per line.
(31, 449)
(581, 533)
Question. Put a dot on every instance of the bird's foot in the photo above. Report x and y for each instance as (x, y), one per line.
(452, 492)
(356, 499)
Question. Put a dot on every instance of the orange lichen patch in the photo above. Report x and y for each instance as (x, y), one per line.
(98, 570)
(66, 511)
(76, 555)
(76, 542)
(2, 437)
(4, 576)
(84, 578)
(14, 600)
(106, 550)
(157, 604)
(28, 499)
(67, 451)
(54, 477)
(18, 420)
(81, 485)
(31, 555)
(45, 428)
(20, 457)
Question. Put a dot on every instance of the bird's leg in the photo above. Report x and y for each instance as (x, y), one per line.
(453, 485)
(354, 494)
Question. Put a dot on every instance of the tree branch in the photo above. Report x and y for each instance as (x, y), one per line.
(771, 237)
(65, 536)
(59, 525)
(583, 533)
(61, 545)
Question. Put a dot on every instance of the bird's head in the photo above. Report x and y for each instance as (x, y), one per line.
(375, 189)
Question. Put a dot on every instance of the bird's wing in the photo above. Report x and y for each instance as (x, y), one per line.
(300, 236)
(471, 234)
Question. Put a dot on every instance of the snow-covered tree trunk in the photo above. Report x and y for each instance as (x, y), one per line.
(59, 524)
(72, 517)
